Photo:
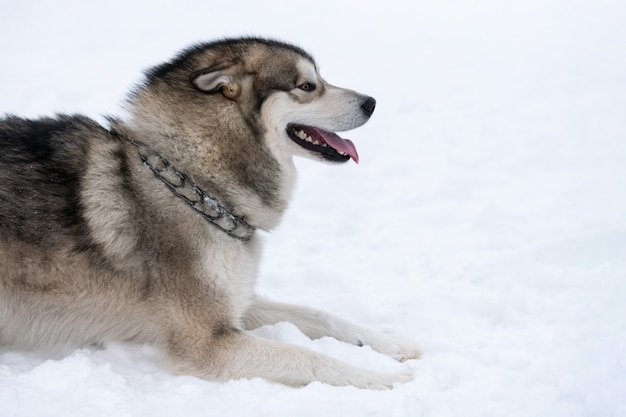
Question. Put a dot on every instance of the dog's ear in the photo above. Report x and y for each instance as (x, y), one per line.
(211, 80)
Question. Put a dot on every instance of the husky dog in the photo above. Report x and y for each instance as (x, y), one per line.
(146, 230)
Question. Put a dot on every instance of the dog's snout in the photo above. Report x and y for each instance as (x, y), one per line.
(368, 106)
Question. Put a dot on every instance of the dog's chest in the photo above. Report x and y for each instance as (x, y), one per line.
(230, 268)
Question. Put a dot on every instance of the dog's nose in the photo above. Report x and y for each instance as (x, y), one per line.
(368, 106)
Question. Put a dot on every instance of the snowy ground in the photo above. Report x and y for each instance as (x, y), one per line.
(486, 220)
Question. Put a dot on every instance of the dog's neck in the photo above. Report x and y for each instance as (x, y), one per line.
(186, 189)
(242, 202)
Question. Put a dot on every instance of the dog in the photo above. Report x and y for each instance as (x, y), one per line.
(146, 230)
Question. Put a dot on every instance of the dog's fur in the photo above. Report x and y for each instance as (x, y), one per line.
(94, 247)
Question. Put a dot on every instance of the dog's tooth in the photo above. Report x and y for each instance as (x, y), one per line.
(301, 134)
(324, 145)
(316, 142)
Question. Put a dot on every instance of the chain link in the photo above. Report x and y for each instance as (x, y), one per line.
(184, 188)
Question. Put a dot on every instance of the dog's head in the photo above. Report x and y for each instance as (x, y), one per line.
(273, 88)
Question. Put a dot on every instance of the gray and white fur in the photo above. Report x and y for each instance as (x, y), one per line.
(94, 247)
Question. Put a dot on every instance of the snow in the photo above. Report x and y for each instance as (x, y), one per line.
(486, 219)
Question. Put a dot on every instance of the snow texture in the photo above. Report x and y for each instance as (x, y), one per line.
(486, 219)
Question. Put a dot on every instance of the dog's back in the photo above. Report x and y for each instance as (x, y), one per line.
(41, 164)
(47, 251)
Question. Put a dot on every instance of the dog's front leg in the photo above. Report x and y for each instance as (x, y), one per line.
(229, 354)
(316, 324)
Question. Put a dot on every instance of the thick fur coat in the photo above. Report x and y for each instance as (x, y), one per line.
(95, 247)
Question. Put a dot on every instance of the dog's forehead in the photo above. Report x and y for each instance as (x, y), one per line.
(307, 69)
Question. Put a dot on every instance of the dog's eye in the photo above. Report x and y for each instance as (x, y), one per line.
(308, 87)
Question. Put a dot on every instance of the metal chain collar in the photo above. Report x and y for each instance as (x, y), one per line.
(184, 188)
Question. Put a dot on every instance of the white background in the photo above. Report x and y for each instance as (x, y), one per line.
(486, 220)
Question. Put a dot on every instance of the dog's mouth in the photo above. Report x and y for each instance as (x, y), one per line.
(327, 144)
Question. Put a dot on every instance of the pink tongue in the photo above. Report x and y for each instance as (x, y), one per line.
(341, 145)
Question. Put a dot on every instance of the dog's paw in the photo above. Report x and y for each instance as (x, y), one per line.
(386, 381)
(398, 348)
(405, 350)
